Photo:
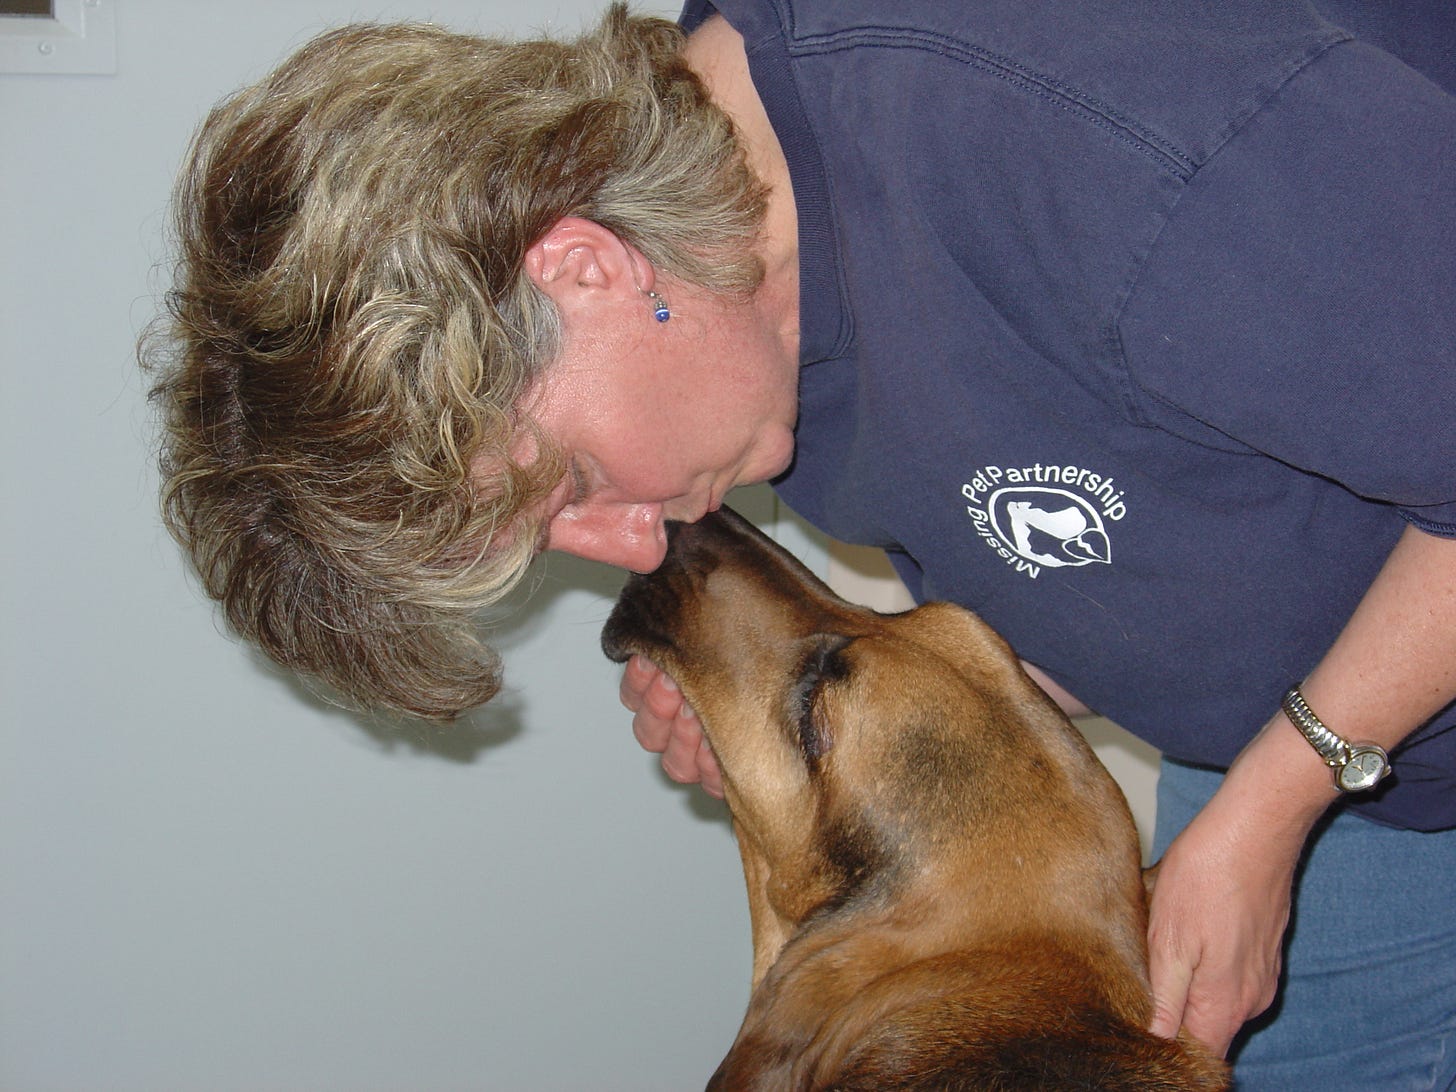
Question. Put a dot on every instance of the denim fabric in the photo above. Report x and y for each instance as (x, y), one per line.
(1368, 1001)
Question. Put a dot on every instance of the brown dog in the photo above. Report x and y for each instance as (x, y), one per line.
(943, 880)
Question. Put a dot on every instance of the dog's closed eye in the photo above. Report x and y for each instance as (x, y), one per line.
(824, 663)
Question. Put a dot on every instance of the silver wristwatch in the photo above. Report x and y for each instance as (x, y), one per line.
(1357, 766)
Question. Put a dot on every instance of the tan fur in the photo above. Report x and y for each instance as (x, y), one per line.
(943, 881)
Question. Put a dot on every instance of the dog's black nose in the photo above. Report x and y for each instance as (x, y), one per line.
(647, 607)
(695, 547)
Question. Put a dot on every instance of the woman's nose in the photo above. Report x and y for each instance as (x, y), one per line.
(628, 536)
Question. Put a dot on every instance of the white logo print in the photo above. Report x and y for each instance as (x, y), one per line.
(1040, 516)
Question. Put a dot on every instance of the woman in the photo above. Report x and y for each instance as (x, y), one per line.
(1103, 322)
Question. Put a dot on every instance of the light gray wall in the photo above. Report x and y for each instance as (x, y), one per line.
(209, 880)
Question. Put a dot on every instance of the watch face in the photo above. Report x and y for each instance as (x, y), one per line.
(1364, 769)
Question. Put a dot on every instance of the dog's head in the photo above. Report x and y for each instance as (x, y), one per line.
(866, 756)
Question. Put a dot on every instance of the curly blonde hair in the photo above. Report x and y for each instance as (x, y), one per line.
(351, 327)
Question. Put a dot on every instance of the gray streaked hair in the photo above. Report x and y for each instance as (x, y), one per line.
(351, 328)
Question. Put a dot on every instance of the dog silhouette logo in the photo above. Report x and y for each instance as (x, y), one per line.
(1050, 527)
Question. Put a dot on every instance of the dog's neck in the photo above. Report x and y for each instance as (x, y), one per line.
(929, 910)
(771, 929)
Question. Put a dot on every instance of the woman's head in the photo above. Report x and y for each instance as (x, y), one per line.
(655, 420)
(354, 327)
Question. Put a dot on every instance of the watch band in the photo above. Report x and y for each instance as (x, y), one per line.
(1357, 767)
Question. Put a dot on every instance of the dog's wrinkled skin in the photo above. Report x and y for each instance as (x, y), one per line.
(943, 880)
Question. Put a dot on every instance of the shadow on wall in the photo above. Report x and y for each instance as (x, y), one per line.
(524, 615)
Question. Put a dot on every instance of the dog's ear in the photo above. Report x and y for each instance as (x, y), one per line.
(931, 1052)
(915, 1051)
(756, 1064)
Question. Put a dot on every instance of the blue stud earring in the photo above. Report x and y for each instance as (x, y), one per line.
(660, 311)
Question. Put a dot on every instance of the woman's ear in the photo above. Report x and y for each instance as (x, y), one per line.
(579, 261)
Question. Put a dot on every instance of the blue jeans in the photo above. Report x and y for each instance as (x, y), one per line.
(1367, 1002)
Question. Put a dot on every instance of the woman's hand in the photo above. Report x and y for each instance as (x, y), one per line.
(1219, 910)
(665, 724)
(1220, 902)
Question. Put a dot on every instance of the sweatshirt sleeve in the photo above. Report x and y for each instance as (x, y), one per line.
(1300, 300)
